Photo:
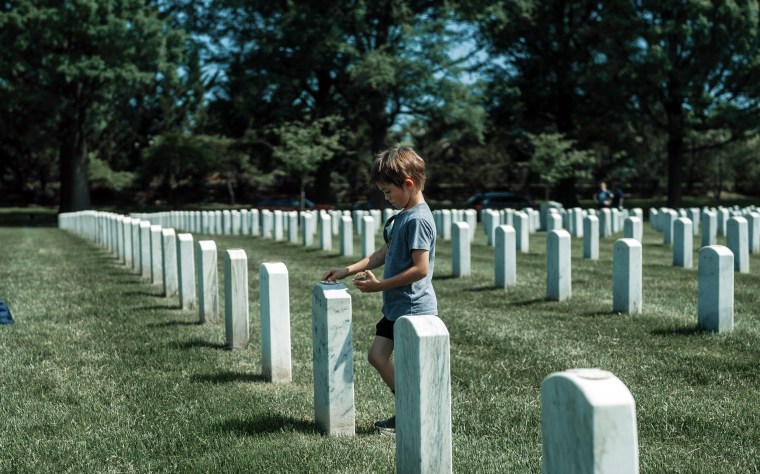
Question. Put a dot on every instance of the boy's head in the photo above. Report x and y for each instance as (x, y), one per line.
(397, 164)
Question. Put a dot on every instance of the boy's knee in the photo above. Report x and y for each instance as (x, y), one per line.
(376, 360)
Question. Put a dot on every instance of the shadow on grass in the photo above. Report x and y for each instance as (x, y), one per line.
(682, 331)
(156, 307)
(192, 344)
(142, 293)
(445, 277)
(530, 302)
(268, 424)
(227, 377)
(174, 323)
(479, 289)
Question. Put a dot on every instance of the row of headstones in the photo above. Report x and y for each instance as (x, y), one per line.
(741, 227)
(292, 226)
(423, 382)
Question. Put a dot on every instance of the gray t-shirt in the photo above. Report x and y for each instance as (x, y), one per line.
(413, 229)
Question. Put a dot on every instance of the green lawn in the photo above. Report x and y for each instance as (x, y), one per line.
(102, 374)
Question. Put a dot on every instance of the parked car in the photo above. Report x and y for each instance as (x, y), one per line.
(289, 203)
(498, 200)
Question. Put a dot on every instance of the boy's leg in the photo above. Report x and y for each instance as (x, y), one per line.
(380, 357)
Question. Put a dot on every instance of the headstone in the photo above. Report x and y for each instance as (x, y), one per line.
(626, 276)
(169, 263)
(236, 298)
(186, 270)
(307, 236)
(145, 248)
(325, 232)
(522, 232)
(633, 228)
(156, 267)
(471, 217)
(668, 219)
(591, 237)
(605, 223)
(753, 231)
(738, 242)
(423, 395)
(278, 224)
(255, 223)
(505, 260)
(208, 282)
(715, 301)
(368, 236)
(588, 424)
(693, 213)
(274, 295)
(558, 269)
(293, 227)
(446, 224)
(333, 359)
(545, 210)
(346, 236)
(709, 228)
(683, 243)
(460, 249)
(226, 222)
(723, 215)
(267, 223)
(553, 221)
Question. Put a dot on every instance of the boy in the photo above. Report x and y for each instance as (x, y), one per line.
(408, 256)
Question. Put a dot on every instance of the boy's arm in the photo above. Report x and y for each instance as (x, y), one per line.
(376, 259)
(418, 271)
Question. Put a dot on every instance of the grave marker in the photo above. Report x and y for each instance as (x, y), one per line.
(737, 241)
(208, 282)
(423, 395)
(505, 260)
(333, 359)
(274, 295)
(715, 300)
(682, 243)
(186, 270)
(169, 263)
(460, 249)
(588, 424)
(626, 276)
(558, 269)
(235, 298)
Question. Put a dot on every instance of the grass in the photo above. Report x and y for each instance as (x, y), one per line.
(102, 374)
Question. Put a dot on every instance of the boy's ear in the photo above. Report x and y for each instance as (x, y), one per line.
(408, 182)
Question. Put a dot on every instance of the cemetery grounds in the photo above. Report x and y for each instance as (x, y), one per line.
(100, 373)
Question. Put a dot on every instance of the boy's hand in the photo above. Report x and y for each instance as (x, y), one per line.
(335, 274)
(368, 284)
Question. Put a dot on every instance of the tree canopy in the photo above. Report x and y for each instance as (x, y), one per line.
(175, 101)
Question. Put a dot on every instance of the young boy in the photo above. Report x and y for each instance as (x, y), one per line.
(408, 256)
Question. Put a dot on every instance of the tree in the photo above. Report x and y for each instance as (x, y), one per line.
(75, 56)
(553, 159)
(375, 64)
(691, 67)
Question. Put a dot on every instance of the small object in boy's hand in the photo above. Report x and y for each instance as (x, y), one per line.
(328, 282)
(361, 276)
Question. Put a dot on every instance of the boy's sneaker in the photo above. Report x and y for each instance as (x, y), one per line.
(387, 427)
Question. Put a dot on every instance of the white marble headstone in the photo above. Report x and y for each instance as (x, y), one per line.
(506, 257)
(169, 263)
(558, 267)
(333, 359)
(591, 237)
(626, 276)
(236, 298)
(683, 243)
(208, 282)
(460, 249)
(715, 301)
(423, 395)
(588, 424)
(186, 270)
(274, 296)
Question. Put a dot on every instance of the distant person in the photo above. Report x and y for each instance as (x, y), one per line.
(617, 196)
(603, 196)
(408, 256)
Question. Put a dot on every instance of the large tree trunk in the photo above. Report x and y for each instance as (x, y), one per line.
(75, 182)
(674, 111)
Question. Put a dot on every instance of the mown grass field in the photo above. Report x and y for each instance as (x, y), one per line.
(102, 374)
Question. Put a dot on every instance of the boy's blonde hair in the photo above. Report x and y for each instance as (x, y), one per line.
(396, 164)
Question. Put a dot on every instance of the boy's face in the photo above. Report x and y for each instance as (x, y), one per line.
(398, 196)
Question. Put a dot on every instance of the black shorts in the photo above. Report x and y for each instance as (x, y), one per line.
(384, 328)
